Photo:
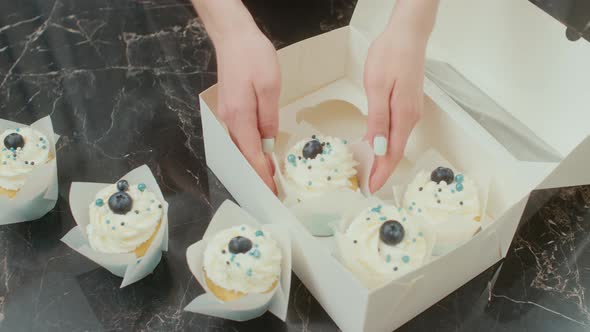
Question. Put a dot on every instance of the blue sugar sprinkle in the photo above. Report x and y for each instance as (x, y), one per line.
(249, 272)
(44, 147)
(399, 209)
(411, 208)
(113, 228)
(413, 240)
(141, 187)
(404, 219)
(321, 159)
(452, 191)
(413, 203)
(382, 218)
(259, 233)
(292, 160)
(420, 234)
(138, 261)
(243, 228)
(336, 170)
(232, 257)
(108, 222)
(406, 259)
(344, 141)
(255, 253)
(4, 162)
(237, 264)
(459, 187)
(419, 210)
(459, 178)
(99, 202)
(388, 258)
(17, 130)
(309, 183)
(376, 209)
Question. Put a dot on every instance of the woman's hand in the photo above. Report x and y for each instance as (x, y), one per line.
(249, 81)
(248, 96)
(394, 78)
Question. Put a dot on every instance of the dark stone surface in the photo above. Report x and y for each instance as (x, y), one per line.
(120, 80)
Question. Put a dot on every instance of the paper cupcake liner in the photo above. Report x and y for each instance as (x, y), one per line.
(343, 246)
(449, 236)
(251, 305)
(40, 191)
(318, 213)
(127, 266)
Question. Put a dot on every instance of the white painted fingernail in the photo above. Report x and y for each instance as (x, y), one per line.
(379, 145)
(268, 145)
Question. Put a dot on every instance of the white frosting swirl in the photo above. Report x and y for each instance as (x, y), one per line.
(109, 232)
(377, 258)
(16, 165)
(253, 272)
(440, 202)
(331, 170)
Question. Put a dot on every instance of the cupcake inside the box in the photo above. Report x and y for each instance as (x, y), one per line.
(22, 150)
(124, 218)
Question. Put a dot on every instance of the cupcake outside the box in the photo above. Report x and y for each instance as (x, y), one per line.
(257, 260)
(122, 227)
(27, 190)
(325, 72)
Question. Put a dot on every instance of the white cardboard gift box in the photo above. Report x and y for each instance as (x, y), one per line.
(505, 93)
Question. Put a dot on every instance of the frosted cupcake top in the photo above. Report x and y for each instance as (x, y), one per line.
(122, 217)
(320, 164)
(384, 241)
(22, 150)
(442, 196)
(243, 259)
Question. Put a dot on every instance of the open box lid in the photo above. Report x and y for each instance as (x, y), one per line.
(516, 54)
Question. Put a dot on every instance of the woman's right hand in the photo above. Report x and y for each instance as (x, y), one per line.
(249, 81)
(249, 86)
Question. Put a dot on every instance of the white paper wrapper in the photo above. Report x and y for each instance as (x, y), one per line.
(343, 246)
(318, 213)
(40, 192)
(251, 305)
(449, 236)
(127, 266)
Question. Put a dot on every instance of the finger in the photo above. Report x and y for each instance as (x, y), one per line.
(267, 96)
(378, 122)
(402, 124)
(243, 127)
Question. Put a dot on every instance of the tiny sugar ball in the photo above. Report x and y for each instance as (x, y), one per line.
(141, 187)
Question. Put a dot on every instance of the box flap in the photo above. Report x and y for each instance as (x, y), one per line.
(515, 53)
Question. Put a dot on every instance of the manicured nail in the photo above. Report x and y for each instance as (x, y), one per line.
(379, 145)
(268, 145)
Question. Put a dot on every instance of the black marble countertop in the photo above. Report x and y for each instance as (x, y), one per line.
(120, 80)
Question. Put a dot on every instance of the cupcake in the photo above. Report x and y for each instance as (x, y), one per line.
(320, 165)
(442, 196)
(241, 260)
(23, 149)
(124, 218)
(448, 203)
(383, 243)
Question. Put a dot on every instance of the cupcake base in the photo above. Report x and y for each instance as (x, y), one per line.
(354, 183)
(142, 249)
(227, 295)
(8, 193)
